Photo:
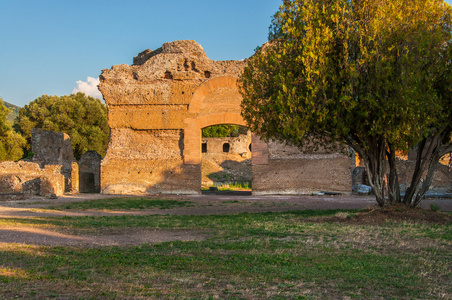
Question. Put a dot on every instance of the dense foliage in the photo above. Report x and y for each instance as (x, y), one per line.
(11, 142)
(373, 74)
(223, 130)
(82, 117)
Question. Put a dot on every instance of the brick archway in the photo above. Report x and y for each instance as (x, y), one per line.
(204, 89)
(201, 119)
(156, 110)
(192, 133)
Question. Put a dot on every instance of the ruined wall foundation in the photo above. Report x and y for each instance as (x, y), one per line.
(20, 179)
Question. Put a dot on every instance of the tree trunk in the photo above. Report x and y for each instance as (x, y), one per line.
(430, 150)
(375, 163)
(417, 174)
(393, 182)
(425, 185)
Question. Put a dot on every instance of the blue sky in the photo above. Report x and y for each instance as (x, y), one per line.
(48, 46)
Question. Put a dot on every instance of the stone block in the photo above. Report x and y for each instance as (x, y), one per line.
(52, 184)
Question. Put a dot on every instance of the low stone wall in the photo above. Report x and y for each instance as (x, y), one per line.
(441, 183)
(27, 178)
(442, 178)
(228, 145)
(282, 169)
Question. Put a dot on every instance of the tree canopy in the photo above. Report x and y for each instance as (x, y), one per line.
(11, 143)
(223, 130)
(373, 74)
(83, 118)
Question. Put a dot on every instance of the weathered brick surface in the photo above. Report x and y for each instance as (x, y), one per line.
(302, 176)
(282, 169)
(157, 108)
(442, 179)
(237, 145)
(149, 176)
(260, 152)
(54, 148)
(18, 178)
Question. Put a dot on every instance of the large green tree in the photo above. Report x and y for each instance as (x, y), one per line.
(11, 143)
(372, 74)
(82, 117)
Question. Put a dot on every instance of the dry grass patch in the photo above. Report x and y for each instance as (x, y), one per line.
(302, 254)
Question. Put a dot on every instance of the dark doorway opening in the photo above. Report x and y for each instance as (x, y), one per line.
(87, 184)
(226, 147)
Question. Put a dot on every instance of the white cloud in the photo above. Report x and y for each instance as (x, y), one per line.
(89, 87)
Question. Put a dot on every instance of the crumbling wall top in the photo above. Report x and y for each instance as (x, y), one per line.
(168, 75)
(177, 47)
(51, 148)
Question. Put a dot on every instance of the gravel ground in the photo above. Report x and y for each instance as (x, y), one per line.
(202, 205)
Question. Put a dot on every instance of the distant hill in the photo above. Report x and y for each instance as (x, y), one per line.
(14, 111)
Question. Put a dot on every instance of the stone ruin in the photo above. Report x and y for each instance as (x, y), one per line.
(157, 107)
(89, 172)
(226, 160)
(53, 170)
(19, 179)
(156, 110)
(54, 148)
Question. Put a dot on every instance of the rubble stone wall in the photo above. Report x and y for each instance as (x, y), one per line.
(54, 148)
(234, 145)
(27, 178)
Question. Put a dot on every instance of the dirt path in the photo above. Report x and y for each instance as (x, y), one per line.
(201, 205)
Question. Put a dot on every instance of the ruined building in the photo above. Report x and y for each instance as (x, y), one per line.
(54, 148)
(156, 110)
(52, 172)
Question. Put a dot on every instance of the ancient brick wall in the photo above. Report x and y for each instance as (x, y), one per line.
(442, 179)
(156, 110)
(54, 148)
(226, 160)
(282, 169)
(26, 178)
(233, 145)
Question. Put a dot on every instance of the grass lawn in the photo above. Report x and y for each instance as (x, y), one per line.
(299, 255)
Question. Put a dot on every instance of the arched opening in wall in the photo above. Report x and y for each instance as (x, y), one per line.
(226, 147)
(226, 163)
